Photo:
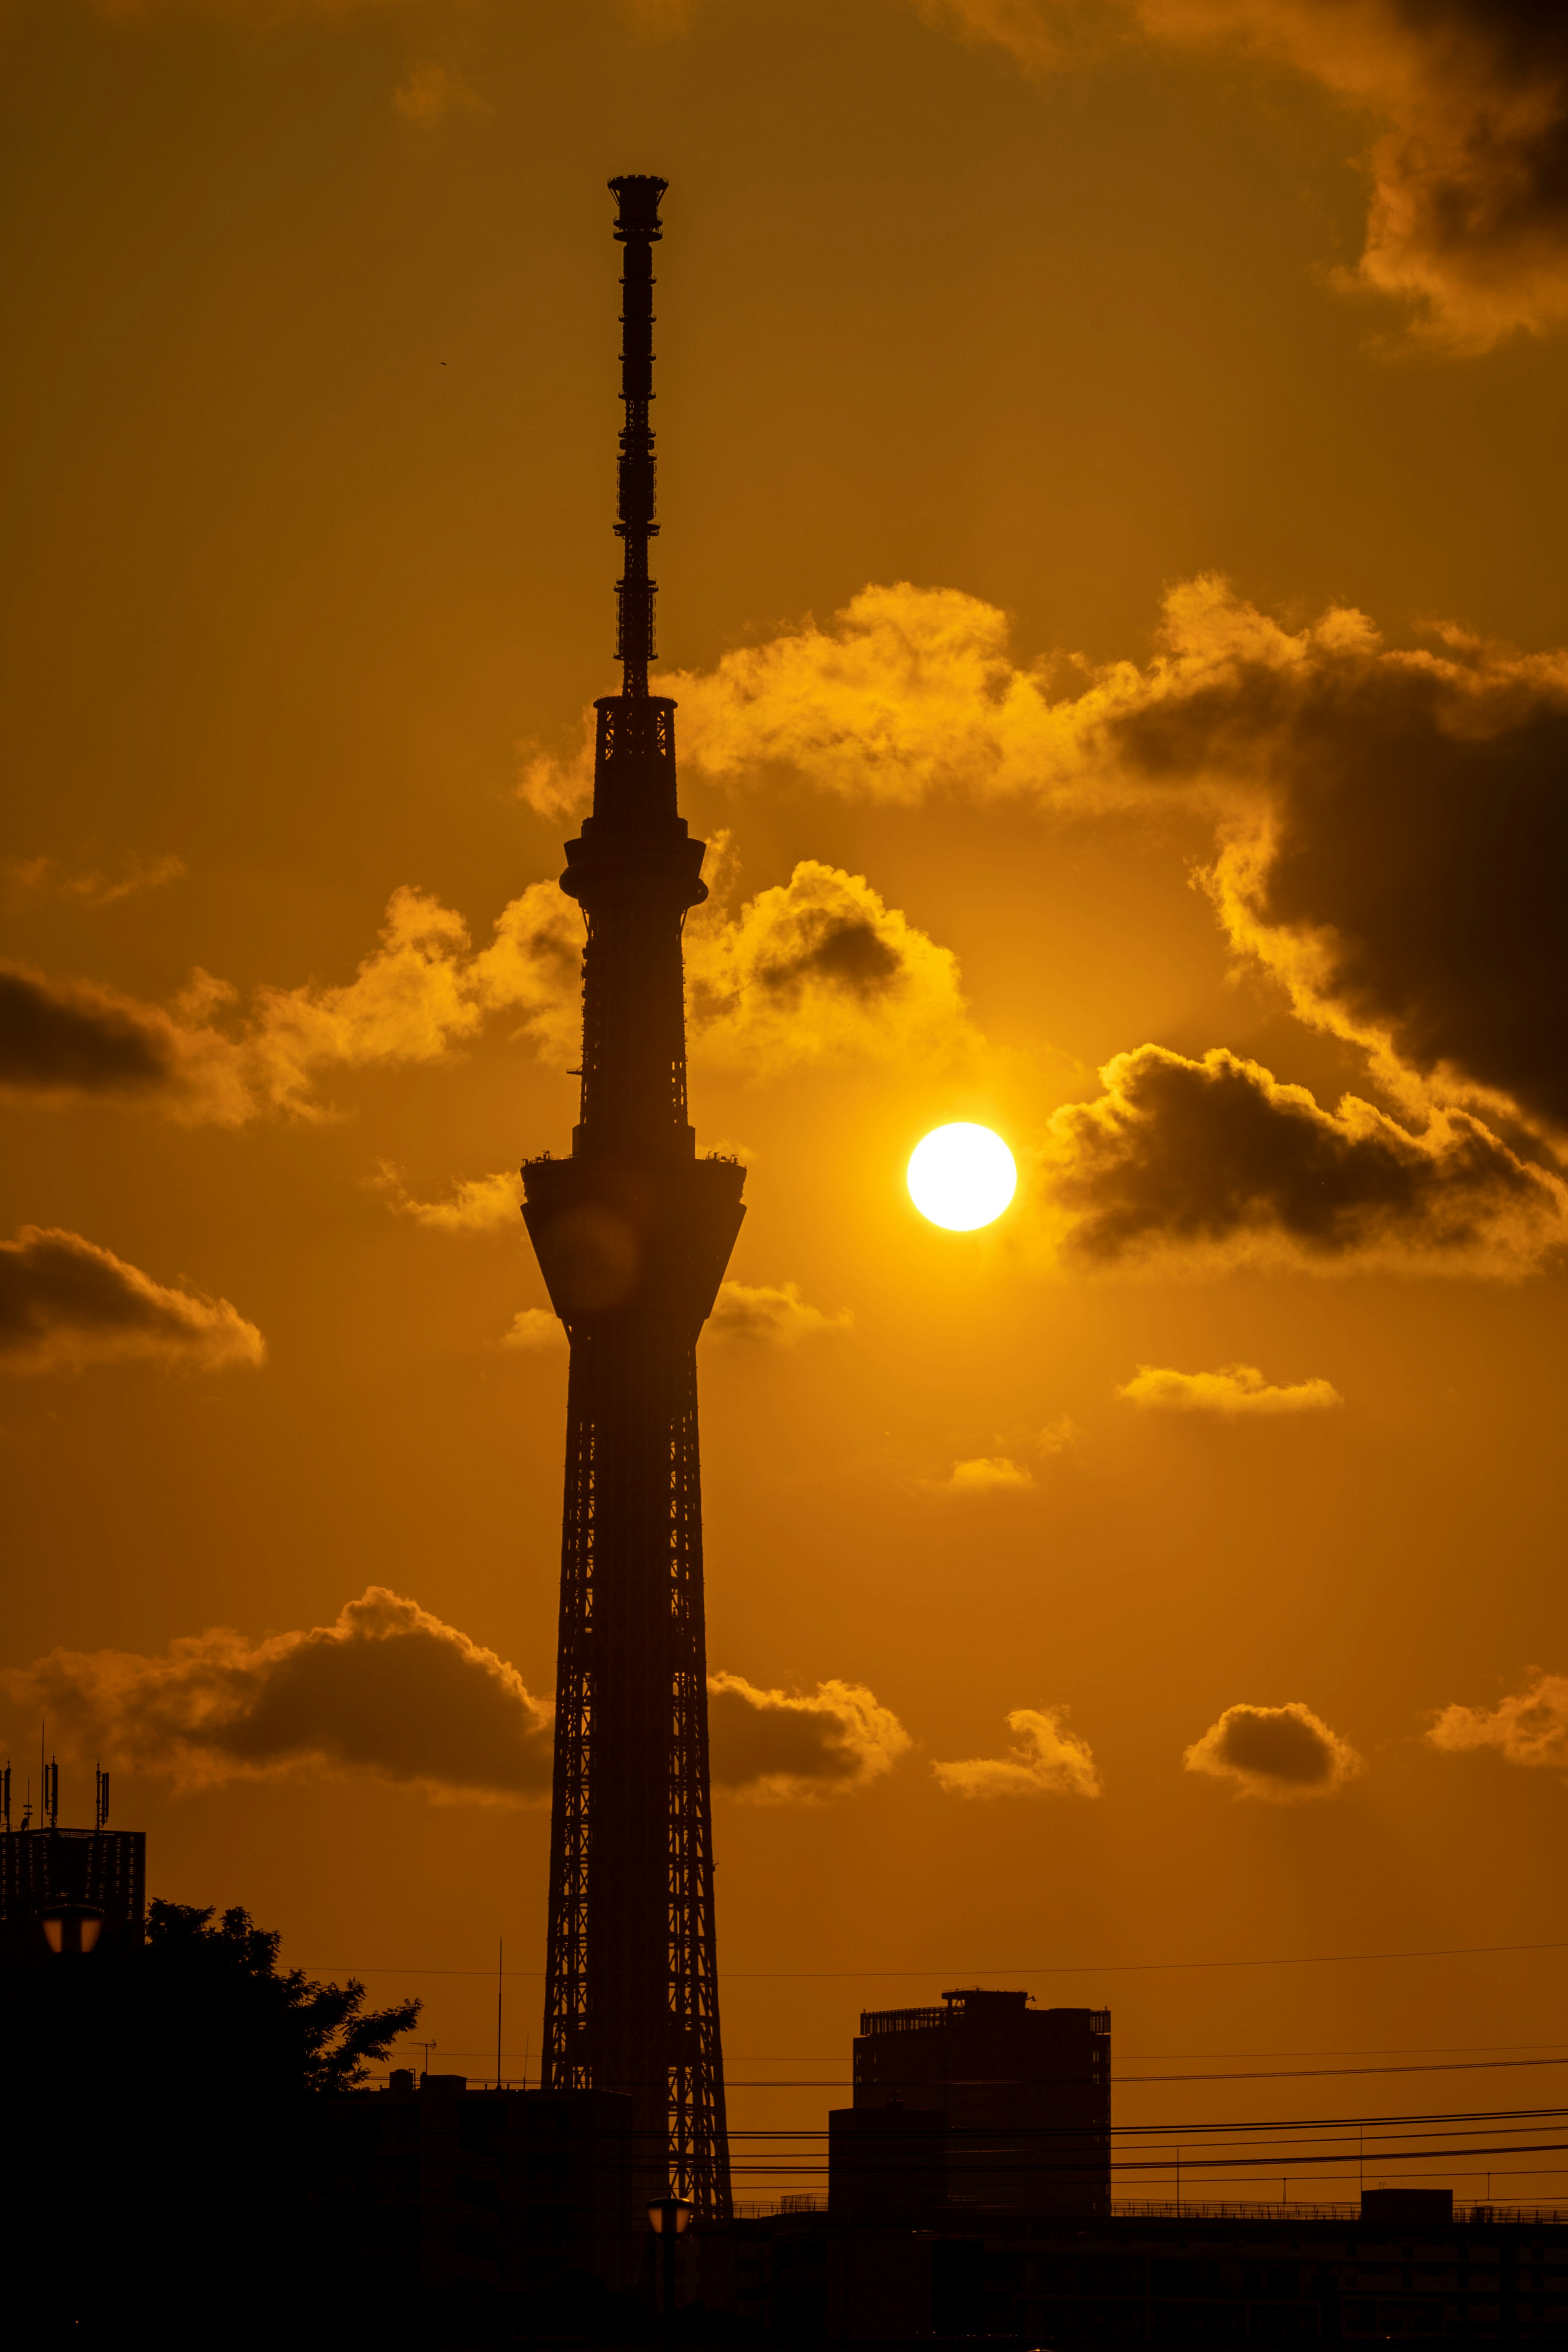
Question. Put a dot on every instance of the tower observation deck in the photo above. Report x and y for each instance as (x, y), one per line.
(633, 1233)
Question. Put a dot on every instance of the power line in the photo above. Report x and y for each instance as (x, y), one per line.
(1013, 1968)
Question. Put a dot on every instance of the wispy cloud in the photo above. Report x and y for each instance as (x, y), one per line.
(984, 1474)
(533, 1330)
(387, 1689)
(772, 1313)
(1047, 1759)
(430, 91)
(780, 1747)
(1237, 1389)
(478, 1204)
(47, 877)
(1281, 1755)
(66, 1303)
(1530, 1727)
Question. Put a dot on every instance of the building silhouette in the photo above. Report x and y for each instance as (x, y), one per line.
(65, 1890)
(987, 2102)
(633, 1233)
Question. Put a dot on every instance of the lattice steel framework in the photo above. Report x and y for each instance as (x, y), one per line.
(632, 1233)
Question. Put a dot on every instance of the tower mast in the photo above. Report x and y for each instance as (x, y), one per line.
(632, 1233)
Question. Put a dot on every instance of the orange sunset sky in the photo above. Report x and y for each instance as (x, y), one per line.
(1113, 500)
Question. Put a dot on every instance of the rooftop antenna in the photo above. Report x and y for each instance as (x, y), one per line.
(6, 1796)
(50, 1809)
(27, 1808)
(101, 1797)
(501, 1958)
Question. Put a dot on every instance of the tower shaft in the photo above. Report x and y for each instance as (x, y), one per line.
(632, 1233)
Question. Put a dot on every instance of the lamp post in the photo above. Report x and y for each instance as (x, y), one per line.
(669, 2217)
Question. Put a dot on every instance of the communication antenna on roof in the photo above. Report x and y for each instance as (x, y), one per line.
(27, 1808)
(101, 1797)
(51, 1806)
(6, 1796)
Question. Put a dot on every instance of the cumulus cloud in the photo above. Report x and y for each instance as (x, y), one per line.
(817, 970)
(984, 1474)
(1530, 1727)
(533, 1330)
(814, 970)
(387, 1689)
(1280, 1754)
(778, 1747)
(1217, 1161)
(66, 1303)
(478, 1205)
(90, 886)
(1046, 1760)
(773, 1313)
(1236, 1389)
(1468, 164)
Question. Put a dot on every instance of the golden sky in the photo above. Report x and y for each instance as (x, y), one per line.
(1113, 498)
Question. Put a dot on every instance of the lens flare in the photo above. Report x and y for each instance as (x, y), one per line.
(962, 1177)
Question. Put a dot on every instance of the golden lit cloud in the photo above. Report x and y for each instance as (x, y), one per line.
(1237, 1389)
(820, 969)
(65, 1302)
(773, 1313)
(1529, 1727)
(984, 1474)
(385, 1689)
(478, 1205)
(1280, 1754)
(1468, 218)
(1215, 1162)
(533, 1330)
(1046, 1760)
(776, 1746)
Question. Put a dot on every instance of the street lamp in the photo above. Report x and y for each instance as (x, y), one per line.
(669, 2217)
(72, 1926)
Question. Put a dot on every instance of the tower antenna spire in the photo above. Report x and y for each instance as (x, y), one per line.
(638, 229)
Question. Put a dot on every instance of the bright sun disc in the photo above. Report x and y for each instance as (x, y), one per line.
(962, 1177)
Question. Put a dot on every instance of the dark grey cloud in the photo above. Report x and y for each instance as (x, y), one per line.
(1217, 1157)
(66, 1301)
(775, 1746)
(1281, 1754)
(61, 1037)
(387, 1689)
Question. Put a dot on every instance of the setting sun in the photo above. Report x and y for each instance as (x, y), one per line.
(962, 1177)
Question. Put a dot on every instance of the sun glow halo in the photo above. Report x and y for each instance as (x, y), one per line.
(962, 1177)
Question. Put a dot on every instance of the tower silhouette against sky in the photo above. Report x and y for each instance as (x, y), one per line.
(632, 1233)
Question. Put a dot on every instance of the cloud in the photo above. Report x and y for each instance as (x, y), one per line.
(533, 1330)
(1467, 223)
(1280, 1754)
(47, 877)
(986, 1473)
(820, 969)
(1048, 1760)
(816, 969)
(776, 1746)
(1237, 1389)
(1217, 1162)
(428, 91)
(773, 1313)
(387, 1689)
(1392, 832)
(1529, 1727)
(480, 1204)
(66, 1303)
(911, 692)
